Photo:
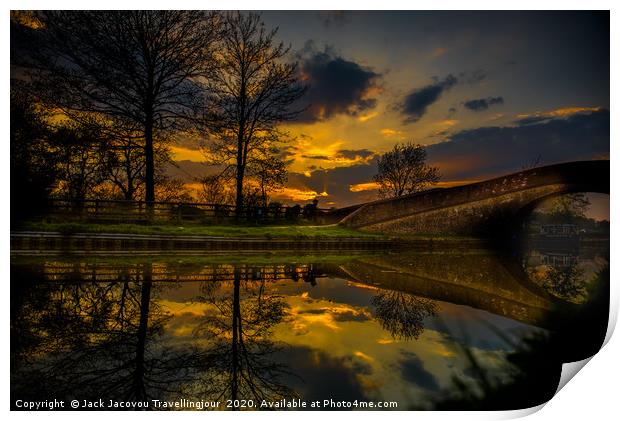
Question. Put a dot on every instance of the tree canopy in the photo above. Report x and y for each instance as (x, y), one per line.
(403, 170)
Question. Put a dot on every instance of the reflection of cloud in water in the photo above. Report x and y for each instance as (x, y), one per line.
(310, 313)
(413, 371)
(319, 375)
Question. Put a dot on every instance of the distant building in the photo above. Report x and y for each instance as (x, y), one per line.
(559, 260)
(559, 230)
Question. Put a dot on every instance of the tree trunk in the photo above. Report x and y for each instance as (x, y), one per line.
(239, 198)
(236, 314)
(145, 300)
(149, 163)
(240, 173)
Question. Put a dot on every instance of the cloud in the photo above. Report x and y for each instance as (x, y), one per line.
(319, 157)
(483, 104)
(546, 116)
(491, 151)
(417, 102)
(180, 153)
(566, 134)
(472, 77)
(477, 154)
(392, 133)
(336, 85)
(355, 153)
(367, 117)
(413, 371)
(319, 375)
(334, 17)
(331, 153)
(364, 187)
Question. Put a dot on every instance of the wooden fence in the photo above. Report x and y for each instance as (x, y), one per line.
(116, 211)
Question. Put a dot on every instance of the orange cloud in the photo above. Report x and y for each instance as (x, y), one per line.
(560, 112)
(294, 194)
(183, 154)
(363, 187)
(365, 118)
(392, 133)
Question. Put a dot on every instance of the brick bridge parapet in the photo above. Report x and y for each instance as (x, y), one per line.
(478, 206)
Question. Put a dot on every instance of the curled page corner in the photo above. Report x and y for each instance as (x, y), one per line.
(614, 299)
(569, 370)
(520, 413)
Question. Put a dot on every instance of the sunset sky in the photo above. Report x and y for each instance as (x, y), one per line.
(488, 92)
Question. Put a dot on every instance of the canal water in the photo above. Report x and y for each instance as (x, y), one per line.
(444, 329)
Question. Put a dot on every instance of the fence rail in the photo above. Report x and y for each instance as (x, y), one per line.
(177, 212)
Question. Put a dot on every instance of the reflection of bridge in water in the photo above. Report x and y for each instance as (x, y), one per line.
(481, 281)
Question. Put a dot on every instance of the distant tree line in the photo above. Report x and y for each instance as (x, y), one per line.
(97, 97)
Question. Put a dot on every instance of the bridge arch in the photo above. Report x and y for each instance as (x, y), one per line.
(488, 208)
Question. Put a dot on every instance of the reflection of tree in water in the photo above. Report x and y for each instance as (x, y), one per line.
(93, 340)
(402, 314)
(238, 325)
(564, 281)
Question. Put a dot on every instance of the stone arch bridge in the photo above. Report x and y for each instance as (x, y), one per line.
(490, 208)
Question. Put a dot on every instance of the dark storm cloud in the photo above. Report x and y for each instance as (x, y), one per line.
(317, 375)
(320, 157)
(417, 102)
(286, 152)
(336, 85)
(483, 104)
(492, 151)
(344, 153)
(414, 372)
(355, 153)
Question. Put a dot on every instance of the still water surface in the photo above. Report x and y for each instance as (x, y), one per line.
(424, 330)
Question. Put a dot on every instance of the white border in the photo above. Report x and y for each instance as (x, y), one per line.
(593, 394)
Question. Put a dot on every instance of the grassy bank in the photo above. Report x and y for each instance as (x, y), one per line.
(293, 231)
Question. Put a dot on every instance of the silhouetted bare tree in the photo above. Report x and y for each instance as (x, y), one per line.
(33, 157)
(138, 68)
(269, 173)
(252, 92)
(81, 146)
(403, 170)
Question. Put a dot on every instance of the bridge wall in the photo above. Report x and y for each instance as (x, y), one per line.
(485, 217)
(479, 208)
